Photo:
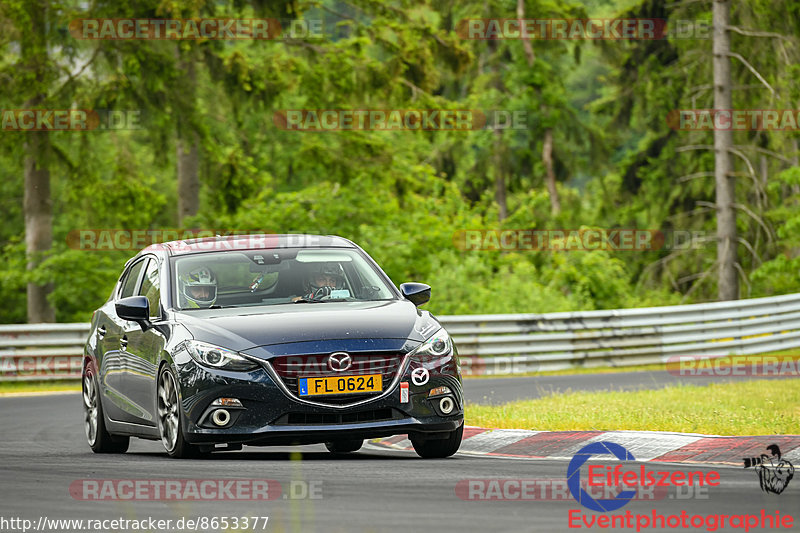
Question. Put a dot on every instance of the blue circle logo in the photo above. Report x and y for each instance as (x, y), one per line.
(574, 477)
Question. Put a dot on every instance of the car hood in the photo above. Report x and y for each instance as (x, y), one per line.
(311, 327)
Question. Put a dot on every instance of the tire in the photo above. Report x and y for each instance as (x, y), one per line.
(169, 417)
(98, 437)
(438, 448)
(344, 446)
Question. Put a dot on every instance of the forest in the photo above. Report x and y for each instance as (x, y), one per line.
(324, 123)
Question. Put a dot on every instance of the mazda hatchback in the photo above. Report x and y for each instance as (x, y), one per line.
(211, 344)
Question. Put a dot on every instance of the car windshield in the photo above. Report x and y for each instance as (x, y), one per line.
(275, 276)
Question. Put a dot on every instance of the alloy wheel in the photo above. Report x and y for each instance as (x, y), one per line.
(168, 410)
(90, 408)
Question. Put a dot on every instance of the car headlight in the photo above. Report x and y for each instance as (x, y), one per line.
(216, 357)
(439, 345)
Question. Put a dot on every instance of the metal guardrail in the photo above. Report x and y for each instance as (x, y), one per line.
(511, 344)
(41, 351)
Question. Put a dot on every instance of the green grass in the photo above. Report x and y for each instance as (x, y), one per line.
(762, 407)
(12, 387)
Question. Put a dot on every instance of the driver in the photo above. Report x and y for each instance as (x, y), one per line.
(322, 279)
(198, 288)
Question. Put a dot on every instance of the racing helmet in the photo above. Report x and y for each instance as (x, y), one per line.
(199, 287)
(332, 271)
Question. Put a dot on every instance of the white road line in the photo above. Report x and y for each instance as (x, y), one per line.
(36, 393)
(494, 439)
(644, 445)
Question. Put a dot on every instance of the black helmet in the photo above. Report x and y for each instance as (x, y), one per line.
(332, 271)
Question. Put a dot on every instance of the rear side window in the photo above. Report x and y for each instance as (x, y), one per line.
(151, 288)
(129, 283)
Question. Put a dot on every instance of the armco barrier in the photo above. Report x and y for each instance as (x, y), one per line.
(511, 344)
(514, 344)
(41, 351)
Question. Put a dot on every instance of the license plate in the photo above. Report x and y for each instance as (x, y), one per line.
(340, 385)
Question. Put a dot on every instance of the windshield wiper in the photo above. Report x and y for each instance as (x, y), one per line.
(310, 301)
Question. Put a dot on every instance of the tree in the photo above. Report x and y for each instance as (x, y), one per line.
(727, 244)
(37, 204)
(187, 145)
(547, 143)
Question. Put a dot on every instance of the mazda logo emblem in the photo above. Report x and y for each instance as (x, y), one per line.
(339, 361)
(420, 376)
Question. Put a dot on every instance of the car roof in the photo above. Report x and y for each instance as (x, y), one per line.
(256, 241)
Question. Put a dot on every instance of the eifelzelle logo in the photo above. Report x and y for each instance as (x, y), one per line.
(601, 475)
(629, 481)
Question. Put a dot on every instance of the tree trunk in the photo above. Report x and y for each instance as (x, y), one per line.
(187, 155)
(790, 192)
(547, 147)
(36, 204)
(499, 177)
(795, 162)
(550, 180)
(188, 180)
(526, 43)
(38, 208)
(728, 281)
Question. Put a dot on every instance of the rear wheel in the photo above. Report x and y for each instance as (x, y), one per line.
(100, 440)
(437, 448)
(344, 446)
(169, 418)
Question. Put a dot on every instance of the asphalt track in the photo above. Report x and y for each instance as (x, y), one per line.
(494, 391)
(43, 453)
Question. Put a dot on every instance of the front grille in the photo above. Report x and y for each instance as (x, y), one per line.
(290, 368)
(309, 419)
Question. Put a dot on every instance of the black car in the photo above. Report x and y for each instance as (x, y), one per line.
(213, 343)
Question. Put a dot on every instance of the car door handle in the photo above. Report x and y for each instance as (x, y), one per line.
(101, 331)
(123, 342)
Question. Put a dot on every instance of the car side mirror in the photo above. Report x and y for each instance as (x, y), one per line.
(134, 308)
(416, 293)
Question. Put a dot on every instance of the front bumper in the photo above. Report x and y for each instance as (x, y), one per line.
(270, 416)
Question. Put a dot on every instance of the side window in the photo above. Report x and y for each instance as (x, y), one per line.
(129, 283)
(151, 287)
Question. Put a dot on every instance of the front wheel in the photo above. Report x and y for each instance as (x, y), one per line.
(100, 440)
(437, 448)
(169, 419)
